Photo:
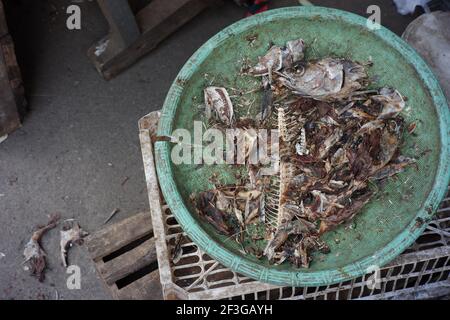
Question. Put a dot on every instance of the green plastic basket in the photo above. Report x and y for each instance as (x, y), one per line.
(399, 212)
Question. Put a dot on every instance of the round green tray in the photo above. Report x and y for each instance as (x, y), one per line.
(399, 212)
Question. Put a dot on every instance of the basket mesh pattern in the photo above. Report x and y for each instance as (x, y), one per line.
(422, 271)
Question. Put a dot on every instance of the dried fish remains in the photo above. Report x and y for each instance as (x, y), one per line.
(338, 136)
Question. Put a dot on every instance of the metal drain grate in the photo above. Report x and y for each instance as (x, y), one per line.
(421, 272)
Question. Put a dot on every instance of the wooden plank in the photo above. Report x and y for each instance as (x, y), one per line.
(121, 20)
(123, 31)
(14, 74)
(145, 288)
(118, 235)
(9, 115)
(12, 98)
(156, 22)
(129, 262)
(158, 11)
(153, 191)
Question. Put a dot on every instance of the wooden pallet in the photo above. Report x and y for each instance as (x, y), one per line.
(12, 98)
(133, 34)
(124, 254)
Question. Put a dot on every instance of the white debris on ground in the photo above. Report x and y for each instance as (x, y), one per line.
(405, 7)
(70, 234)
(101, 48)
(33, 252)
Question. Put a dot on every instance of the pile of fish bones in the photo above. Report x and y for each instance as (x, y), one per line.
(337, 138)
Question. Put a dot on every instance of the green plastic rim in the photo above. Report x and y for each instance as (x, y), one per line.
(288, 277)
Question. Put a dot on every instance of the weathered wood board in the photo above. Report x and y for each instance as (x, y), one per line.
(124, 254)
(12, 99)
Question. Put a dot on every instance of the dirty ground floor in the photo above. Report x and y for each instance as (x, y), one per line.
(78, 151)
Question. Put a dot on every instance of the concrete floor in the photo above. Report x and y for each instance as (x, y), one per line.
(79, 140)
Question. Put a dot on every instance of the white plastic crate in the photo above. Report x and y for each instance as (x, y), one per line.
(421, 272)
